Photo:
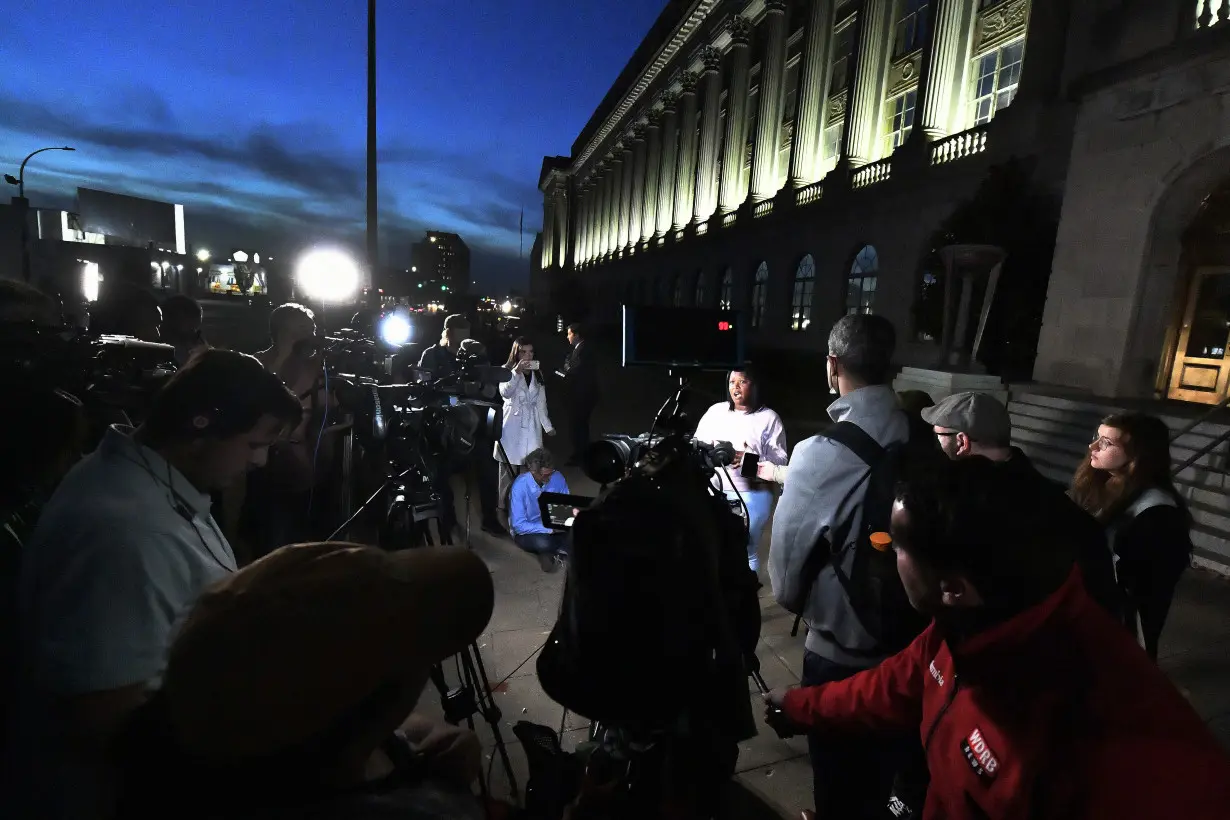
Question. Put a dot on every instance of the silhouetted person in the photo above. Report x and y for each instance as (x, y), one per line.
(581, 376)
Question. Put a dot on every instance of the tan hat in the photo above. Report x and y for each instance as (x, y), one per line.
(980, 416)
(277, 653)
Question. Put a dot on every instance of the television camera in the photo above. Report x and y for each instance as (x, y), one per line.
(103, 371)
(659, 589)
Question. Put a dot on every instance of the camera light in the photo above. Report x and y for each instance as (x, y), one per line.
(89, 281)
(507, 306)
(395, 329)
(328, 275)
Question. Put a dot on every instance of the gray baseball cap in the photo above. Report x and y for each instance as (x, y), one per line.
(979, 415)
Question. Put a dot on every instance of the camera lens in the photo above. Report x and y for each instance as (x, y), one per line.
(606, 461)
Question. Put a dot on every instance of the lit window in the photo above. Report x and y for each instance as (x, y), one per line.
(911, 27)
(728, 287)
(900, 121)
(997, 75)
(804, 289)
(861, 287)
(760, 293)
(701, 296)
(832, 145)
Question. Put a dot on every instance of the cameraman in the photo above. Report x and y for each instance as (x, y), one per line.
(123, 547)
(442, 361)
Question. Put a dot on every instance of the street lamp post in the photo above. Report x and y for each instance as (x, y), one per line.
(373, 244)
(23, 206)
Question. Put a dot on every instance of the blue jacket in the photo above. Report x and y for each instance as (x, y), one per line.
(524, 517)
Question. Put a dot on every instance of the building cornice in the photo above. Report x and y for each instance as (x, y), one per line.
(663, 60)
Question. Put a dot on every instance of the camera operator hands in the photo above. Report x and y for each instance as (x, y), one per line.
(776, 719)
(767, 471)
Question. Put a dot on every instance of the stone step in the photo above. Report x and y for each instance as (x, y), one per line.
(1096, 409)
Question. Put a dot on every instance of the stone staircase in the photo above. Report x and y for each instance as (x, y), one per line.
(1055, 433)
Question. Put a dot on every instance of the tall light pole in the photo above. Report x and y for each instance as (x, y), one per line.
(23, 206)
(373, 244)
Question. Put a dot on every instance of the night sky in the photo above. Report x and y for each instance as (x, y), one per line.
(251, 112)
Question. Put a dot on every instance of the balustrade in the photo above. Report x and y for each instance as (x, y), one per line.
(959, 146)
(871, 174)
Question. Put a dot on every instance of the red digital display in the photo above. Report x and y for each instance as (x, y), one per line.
(724, 325)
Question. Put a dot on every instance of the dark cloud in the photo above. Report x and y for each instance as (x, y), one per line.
(331, 179)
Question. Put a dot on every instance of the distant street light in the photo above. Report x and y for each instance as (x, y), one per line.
(202, 255)
(24, 208)
(507, 306)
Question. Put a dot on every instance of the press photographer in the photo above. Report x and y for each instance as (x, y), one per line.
(122, 548)
(455, 351)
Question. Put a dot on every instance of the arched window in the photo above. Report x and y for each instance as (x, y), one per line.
(804, 290)
(677, 300)
(701, 297)
(726, 295)
(861, 287)
(760, 292)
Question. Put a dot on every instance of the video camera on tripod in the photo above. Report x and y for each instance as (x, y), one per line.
(114, 371)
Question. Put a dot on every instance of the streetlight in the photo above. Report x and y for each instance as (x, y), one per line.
(24, 206)
(202, 255)
(20, 182)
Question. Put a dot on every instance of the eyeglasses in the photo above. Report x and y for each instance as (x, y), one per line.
(1102, 443)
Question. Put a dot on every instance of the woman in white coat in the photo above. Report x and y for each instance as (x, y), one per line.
(525, 414)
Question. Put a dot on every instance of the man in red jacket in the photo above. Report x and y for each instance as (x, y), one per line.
(1030, 700)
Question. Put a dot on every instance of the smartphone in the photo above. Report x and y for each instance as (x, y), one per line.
(534, 364)
(748, 468)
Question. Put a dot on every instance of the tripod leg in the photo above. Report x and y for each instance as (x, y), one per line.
(476, 677)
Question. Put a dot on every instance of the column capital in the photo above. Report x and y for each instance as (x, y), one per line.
(669, 100)
(740, 30)
(688, 81)
(638, 131)
(712, 58)
(654, 118)
(775, 6)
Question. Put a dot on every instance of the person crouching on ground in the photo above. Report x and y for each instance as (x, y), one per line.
(288, 688)
(1030, 699)
(524, 516)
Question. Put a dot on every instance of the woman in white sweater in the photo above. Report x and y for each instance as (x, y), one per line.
(745, 422)
(525, 414)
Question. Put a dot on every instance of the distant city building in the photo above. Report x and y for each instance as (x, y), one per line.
(441, 258)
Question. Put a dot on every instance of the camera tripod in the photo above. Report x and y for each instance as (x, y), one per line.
(410, 513)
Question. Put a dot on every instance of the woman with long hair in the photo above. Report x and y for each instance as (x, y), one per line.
(1125, 483)
(745, 421)
(525, 414)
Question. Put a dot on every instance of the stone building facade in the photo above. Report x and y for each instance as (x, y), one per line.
(795, 158)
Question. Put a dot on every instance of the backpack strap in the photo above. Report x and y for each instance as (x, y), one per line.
(1150, 498)
(868, 450)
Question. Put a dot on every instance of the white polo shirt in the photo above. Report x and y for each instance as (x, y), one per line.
(120, 552)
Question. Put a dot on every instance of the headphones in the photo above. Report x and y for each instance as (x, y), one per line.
(179, 504)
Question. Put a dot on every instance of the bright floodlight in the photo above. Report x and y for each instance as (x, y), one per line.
(506, 307)
(202, 255)
(89, 281)
(328, 275)
(395, 329)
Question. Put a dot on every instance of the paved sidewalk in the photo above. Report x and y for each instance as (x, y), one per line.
(1195, 649)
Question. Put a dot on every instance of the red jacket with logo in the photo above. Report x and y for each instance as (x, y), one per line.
(1056, 713)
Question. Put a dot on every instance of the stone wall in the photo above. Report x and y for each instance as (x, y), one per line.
(1146, 152)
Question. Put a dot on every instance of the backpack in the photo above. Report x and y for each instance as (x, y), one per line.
(868, 579)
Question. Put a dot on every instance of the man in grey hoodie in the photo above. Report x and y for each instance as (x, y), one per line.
(853, 775)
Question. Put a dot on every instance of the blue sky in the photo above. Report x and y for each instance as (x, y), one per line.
(251, 112)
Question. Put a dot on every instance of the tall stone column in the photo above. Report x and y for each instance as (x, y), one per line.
(608, 201)
(685, 179)
(736, 114)
(613, 192)
(707, 162)
(625, 195)
(653, 167)
(561, 227)
(587, 220)
(670, 155)
(805, 153)
(947, 38)
(772, 89)
(548, 229)
(862, 115)
(598, 212)
(638, 185)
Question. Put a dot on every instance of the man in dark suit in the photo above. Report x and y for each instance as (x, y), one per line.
(581, 376)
